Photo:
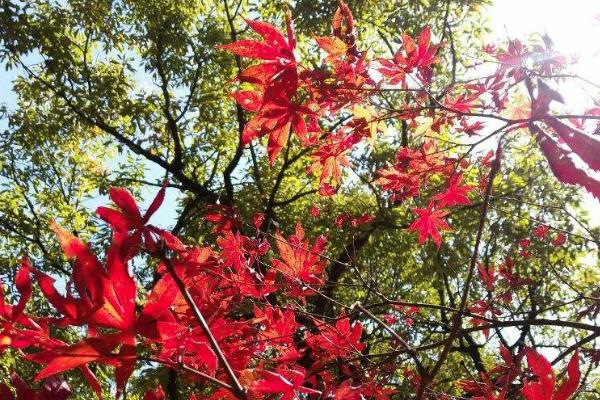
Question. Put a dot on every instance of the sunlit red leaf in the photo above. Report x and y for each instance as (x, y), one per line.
(456, 194)
(563, 166)
(429, 222)
(95, 349)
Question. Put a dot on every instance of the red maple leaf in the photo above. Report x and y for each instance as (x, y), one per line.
(156, 394)
(579, 143)
(224, 217)
(455, 194)
(23, 284)
(419, 56)
(300, 264)
(59, 357)
(275, 46)
(559, 240)
(53, 389)
(485, 309)
(106, 296)
(542, 386)
(412, 170)
(429, 223)
(277, 116)
(345, 391)
(482, 390)
(342, 25)
(330, 158)
(276, 325)
(562, 165)
(488, 276)
(512, 60)
(339, 340)
(287, 382)
(276, 82)
(128, 216)
(541, 231)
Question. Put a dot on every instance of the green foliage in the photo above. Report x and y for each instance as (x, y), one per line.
(120, 92)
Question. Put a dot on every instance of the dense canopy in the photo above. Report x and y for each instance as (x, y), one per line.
(257, 200)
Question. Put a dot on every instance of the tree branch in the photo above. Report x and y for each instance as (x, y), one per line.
(177, 161)
(457, 319)
(238, 390)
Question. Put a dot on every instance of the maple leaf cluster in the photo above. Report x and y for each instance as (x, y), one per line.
(539, 383)
(286, 97)
(221, 280)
